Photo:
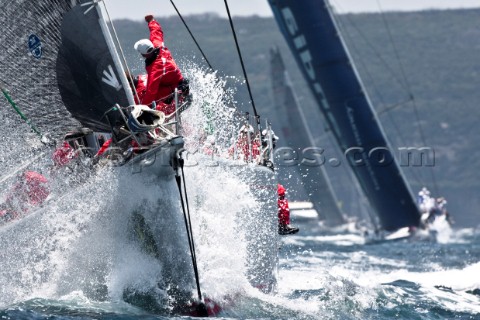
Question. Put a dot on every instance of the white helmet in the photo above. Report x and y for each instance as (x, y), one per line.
(144, 46)
(245, 129)
(265, 132)
(424, 192)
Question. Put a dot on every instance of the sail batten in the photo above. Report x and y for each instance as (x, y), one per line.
(311, 32)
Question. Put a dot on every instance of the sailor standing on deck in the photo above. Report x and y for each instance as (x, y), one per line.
(162, 71)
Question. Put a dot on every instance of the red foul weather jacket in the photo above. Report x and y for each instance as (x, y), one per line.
(140, 82)
(32, 189)
(63, 155)
(283, 208)
(36, 187)
(163, 73)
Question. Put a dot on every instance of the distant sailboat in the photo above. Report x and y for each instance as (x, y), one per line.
(311, 32)
(297, 134)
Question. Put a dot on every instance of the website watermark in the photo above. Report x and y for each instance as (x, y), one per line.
(356, 157)
(315, 157)
(290, 157)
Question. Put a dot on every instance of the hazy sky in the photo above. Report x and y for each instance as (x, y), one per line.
(136, 9)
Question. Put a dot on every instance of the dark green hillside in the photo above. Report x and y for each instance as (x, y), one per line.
(439, 55)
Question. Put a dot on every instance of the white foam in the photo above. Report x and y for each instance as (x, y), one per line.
(79, 241)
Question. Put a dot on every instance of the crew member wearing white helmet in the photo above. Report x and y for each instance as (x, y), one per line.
(246, 142)
(162, 71)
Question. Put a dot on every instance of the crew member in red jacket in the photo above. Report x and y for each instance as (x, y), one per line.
(284, 226)
(138, 85)
(162, 71)
(245, 141)
(31, 190)
(63, 155)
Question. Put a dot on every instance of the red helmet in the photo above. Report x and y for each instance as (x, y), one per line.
(281, 190)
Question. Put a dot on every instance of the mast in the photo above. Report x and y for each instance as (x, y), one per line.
(312, 35)
(113, 51)
(90, 74)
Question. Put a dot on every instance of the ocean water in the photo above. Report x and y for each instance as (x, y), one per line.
(320, 276)
(71, 259)
(342, 277)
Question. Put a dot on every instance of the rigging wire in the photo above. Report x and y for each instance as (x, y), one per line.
(43, 139)
(191, 35)
(369, 75)
(372, 47)
(194, 39)
(238, 50)
(129, 74)
(188, 225)
(243, 65)
(394, 106)
(188, 213)
(360, 61)
(186, 210)
(407, 84)
(378, 93)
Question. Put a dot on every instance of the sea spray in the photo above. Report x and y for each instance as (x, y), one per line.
(84, 240)
(37, 247)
